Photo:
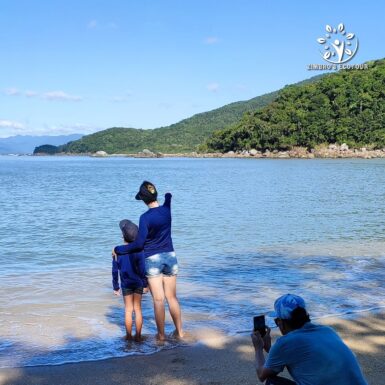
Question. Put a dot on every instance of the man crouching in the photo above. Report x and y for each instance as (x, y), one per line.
(313, 354)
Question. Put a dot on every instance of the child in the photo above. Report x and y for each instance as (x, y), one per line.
(133, 281)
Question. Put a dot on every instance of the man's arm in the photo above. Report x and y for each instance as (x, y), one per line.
(263, 373)
(167, 200)
(138, 244)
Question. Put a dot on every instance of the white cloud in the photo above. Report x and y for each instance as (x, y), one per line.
(211, 40)
(122, 98)
(61, 95)
(50, 95)
(213, 87)
(12, 91)
(31, 94)
(11, 124)
(12, 128)
(119, 99)
(92, 24)
(67, 129)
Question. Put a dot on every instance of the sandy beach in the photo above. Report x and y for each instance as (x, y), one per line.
(215, 360)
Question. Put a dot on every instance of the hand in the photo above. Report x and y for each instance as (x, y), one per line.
(257, 340)
(117, 292)
(267, 340)
(145, 290)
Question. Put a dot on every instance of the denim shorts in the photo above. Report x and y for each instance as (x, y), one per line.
(162, 263)
(132, 290)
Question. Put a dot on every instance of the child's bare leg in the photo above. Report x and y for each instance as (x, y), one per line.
(129, 307)
(138, 316)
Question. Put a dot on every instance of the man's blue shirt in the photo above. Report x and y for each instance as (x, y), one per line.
(315, 355)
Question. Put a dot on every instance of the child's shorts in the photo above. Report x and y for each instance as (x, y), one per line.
(130, 291)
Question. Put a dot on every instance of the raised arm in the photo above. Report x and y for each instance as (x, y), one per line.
(275, 361)
(138, 244)
(167, 200)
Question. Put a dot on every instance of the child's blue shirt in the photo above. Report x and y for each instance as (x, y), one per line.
(132, 271)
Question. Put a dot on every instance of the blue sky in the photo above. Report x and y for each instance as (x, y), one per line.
(83, 66)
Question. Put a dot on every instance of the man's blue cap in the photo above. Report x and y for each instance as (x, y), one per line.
(283, 306)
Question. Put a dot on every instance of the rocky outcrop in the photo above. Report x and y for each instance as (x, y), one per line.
(330, 151)
(100, 154)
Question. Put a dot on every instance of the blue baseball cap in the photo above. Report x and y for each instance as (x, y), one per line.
(283, 306)
(129, 230)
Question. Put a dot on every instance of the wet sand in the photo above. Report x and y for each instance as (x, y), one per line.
(216, 360)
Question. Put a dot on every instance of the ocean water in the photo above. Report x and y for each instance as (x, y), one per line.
(245, 231)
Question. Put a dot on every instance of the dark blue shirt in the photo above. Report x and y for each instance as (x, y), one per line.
(132, 271)
(154, 234)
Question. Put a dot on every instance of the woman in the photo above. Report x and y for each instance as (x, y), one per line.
(154, 238)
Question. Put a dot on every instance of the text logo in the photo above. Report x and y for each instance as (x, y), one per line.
(339, 46)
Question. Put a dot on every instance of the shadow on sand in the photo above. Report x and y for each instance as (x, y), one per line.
(216, 360)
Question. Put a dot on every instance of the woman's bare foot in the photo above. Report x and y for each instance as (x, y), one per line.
(177, 335)
(138, 338)
(128, 337)
(160, 337)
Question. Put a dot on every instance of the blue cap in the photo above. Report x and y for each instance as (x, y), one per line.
(283, 306)
(129, 230)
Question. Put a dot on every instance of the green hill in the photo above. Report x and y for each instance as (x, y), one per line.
(184, 136)
(344, 107)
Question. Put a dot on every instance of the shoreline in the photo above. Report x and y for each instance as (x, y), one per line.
(216, 359)
(333, 151)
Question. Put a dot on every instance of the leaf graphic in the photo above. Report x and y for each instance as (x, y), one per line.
(329, 28)
(341, 27)
(350, 36)
(327, 55)
(348, 52)
(321, 40)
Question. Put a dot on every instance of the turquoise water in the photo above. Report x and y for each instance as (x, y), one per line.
(245, 231)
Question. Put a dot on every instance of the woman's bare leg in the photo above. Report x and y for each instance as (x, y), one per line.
(173, 304)
(157, 292)
(129, 307)
(138, 316)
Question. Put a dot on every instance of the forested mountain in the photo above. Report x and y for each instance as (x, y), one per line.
(347, 106)
(184, 136)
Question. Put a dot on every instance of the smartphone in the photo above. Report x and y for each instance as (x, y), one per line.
(259, 324)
